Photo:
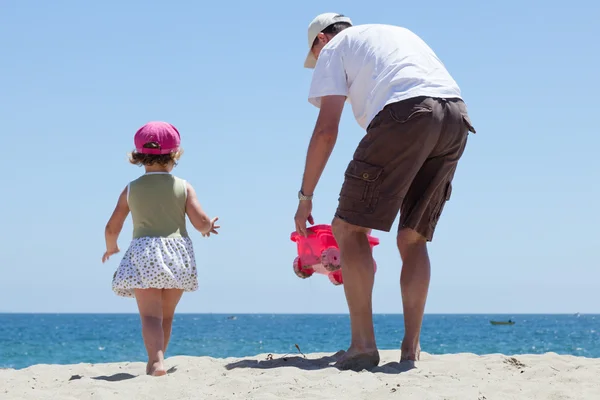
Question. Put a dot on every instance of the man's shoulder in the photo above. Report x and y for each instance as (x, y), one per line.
(371, 32)
(346, 37)
(377, 29)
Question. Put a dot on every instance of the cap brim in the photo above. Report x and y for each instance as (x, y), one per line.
(144, 150)
(310, 61)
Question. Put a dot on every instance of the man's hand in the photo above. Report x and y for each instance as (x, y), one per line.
(303, 214)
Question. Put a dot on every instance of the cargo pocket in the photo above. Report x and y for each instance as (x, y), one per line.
(359, 192)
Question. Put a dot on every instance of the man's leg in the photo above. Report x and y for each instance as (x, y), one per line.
(397, 143)
(359, 275)
(414, 283)
(421, 209)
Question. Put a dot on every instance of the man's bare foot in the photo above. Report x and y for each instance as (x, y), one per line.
(338, 355)
(410, 353)
(156, 369)
(355, 360)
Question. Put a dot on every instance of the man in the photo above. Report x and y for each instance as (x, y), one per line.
(416, 131)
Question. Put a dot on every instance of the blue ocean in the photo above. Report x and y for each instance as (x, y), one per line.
(28, 339)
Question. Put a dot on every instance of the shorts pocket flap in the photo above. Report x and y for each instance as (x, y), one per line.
(362, 170)
(467, 121)
(448, 191)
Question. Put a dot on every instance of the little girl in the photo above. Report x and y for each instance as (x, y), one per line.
(159, 264)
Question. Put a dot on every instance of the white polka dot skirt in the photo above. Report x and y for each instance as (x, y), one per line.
(156, 263)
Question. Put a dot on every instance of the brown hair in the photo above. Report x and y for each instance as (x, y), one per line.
(151, 159)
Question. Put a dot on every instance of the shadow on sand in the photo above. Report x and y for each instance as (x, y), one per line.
(124, 377)
(115, 378)
(315, 364)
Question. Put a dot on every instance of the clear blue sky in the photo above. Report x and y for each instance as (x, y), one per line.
(520, 233)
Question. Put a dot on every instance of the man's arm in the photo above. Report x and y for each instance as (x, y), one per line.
(322, 141)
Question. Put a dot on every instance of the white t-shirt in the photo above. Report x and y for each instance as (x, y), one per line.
(375, 65)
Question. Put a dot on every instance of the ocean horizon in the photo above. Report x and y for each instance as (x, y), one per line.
(69, 338)
(597, 314)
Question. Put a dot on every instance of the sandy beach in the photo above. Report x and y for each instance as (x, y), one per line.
(456, 376)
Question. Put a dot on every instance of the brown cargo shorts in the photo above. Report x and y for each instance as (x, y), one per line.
(406, 162)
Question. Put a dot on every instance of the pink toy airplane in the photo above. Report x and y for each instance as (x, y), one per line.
(319, 252)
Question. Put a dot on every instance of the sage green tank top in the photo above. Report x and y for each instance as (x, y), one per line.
(157, 204)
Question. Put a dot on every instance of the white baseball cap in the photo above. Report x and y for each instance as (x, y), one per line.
(321, 22)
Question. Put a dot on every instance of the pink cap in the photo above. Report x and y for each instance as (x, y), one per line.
(163, 133)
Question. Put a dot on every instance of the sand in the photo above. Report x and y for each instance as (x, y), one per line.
(456, 376)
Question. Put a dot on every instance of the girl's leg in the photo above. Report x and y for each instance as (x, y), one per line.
(170, 299)
(150, 305)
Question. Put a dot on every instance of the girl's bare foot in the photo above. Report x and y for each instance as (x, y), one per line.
(156, 369)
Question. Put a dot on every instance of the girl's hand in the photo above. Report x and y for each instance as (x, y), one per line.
(110, 252)
(114, 226)
(213, 227)
(197, 216)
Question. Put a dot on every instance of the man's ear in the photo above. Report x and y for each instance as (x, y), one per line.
(323, 39)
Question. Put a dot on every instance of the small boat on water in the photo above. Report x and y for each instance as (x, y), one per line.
(509, 322)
